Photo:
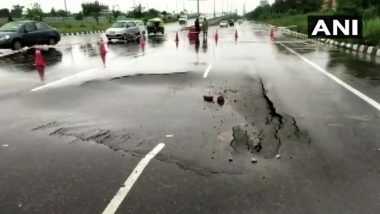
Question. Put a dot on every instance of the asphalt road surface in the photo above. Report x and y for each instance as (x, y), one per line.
(296, 129)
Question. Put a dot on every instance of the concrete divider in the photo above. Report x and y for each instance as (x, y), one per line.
(370, 50)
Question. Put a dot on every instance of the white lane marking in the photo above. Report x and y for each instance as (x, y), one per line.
(62, 80)
(81, 73)
(364, 97)
(208, 69)
(123, 191)
(169, 136)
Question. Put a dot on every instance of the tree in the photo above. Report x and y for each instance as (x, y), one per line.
(52, 12)
(93, 9)
(4, 13)
(35, 13)
(79, 16)
(116, 13)
(16, 11)
(61, 13)
(349, 7)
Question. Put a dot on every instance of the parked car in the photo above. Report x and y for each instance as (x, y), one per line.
(16, 35)
(128, 30)
(155, 25)
(223, 23)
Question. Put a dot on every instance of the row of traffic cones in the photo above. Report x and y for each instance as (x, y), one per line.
(216, 36)
(40, 64)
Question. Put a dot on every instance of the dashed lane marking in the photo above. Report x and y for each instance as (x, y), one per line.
(364, 97)
(128, 184)
(208, 69)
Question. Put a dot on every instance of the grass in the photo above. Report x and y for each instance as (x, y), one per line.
(79, 27)
(371, 28)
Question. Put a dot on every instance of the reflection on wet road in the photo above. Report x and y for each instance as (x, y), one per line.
(249, 126)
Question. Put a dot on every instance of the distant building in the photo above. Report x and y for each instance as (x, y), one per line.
(263, 3)
(329, 4)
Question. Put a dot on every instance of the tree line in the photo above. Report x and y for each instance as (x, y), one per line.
(89, 9)
(367, 8)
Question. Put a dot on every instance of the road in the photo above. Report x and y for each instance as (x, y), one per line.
(137, 136)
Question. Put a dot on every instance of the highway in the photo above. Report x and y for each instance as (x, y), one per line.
(296, 128)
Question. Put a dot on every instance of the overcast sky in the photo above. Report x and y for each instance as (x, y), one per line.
(124, 5)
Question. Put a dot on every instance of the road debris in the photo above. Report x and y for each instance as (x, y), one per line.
(5, 145)
(254, 160)
(208, 98)
(169, 136)
(220, 100)
(278, 156)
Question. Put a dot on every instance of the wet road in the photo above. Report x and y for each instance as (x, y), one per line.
(72, 136)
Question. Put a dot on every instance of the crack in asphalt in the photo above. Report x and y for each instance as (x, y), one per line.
(107, 138)
(275, 130)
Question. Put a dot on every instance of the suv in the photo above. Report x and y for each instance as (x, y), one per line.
(129, 30)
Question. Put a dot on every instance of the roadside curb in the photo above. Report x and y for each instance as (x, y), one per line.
(370, 50)
(83, 33)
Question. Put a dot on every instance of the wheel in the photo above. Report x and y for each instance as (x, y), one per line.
(16, 45)
(51, 41)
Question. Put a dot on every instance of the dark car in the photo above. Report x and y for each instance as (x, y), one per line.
(18, 34)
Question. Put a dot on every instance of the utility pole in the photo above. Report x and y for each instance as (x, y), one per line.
(66, 8)
(214, 10)
(198, 7)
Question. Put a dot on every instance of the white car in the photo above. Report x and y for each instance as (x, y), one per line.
(223, 23)
(183, 20)
(129, 30)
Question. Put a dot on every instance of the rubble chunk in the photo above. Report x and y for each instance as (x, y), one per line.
(220, 100)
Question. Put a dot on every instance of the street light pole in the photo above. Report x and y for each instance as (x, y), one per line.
(198, 7)
(214, 10)
(65, 7)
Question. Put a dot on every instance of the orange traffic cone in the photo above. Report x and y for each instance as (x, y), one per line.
(272, 36)
(142, 42)
(216, 36)
(103, 51)
(39, 60)
(176, 38)
(40, 64)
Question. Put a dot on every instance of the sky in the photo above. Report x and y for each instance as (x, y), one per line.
(206, 6)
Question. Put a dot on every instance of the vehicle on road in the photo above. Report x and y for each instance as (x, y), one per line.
(231, 22)
(223, 23)
(128, 30)
(18, 34)
(183, 20)
(155, 25)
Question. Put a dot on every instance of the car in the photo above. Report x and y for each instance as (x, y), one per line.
(155, 25)
(223, 23)
(231, 22)
(128, 30)
(183, 20)
(16, 35)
